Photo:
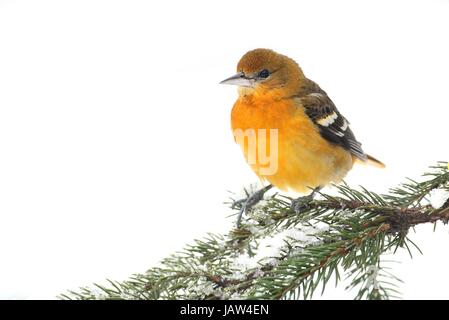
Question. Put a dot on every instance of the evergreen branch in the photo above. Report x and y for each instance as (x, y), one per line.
(280, 254)
(412, 193)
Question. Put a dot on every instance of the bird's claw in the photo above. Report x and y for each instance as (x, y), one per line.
(246, 204)
(301, 203)
(238, 203)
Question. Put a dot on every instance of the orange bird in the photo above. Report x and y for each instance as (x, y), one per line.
(287, 118)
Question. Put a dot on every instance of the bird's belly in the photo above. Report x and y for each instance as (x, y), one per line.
(303, 165)
(303, 158)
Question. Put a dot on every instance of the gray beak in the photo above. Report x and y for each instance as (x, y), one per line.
(239, 80)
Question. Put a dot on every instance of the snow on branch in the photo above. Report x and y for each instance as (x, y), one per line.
(280, 254)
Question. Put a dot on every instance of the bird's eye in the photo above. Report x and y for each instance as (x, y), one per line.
(263, 74)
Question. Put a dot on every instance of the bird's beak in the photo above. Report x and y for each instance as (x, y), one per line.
(239, 80)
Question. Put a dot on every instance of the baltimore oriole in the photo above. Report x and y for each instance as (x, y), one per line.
(315, 145)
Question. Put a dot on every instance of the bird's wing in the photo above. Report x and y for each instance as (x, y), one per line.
(332, 125)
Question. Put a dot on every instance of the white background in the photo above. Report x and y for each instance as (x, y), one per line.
(115, 146)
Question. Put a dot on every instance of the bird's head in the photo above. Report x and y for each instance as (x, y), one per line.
(263, 71)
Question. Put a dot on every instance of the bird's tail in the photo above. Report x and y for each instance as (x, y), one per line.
(374, 162)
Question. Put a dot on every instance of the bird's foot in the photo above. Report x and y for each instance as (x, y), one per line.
(247, 203)
(301, 203)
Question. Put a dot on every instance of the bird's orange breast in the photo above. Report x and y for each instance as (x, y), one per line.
(304, 159)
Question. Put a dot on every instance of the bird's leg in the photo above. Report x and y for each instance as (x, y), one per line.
(247, 203)
(303, 202)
